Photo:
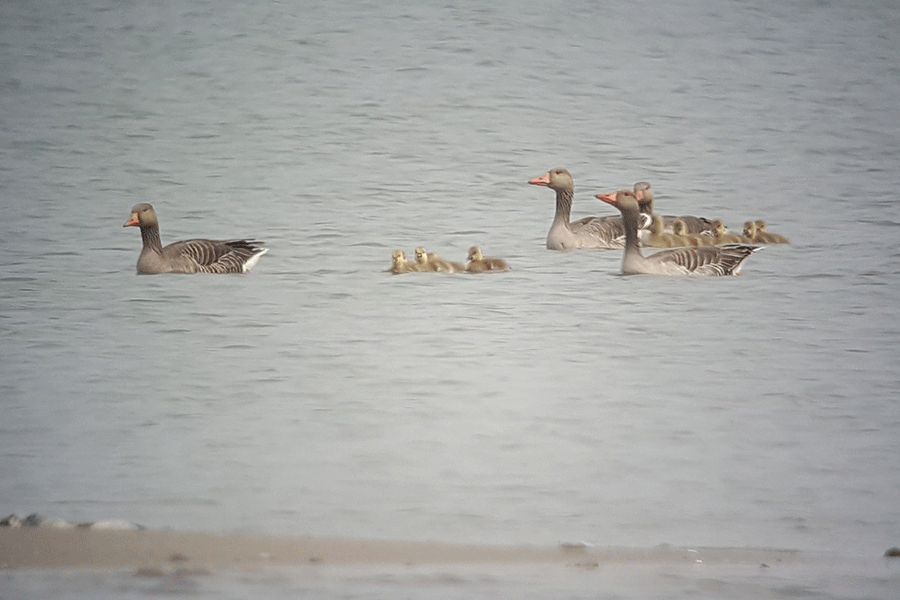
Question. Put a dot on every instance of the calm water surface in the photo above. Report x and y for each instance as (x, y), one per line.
(557, 401)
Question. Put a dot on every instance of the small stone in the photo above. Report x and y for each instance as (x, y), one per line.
(892, 552)
(13, 521)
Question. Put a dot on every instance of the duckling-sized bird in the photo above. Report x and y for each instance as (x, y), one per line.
(189, 256)
(679, 228)
(707, 260)
(429, 261)
(767, 236)
(658, 237)
(479, 264)
(721, 235)
(750, 232)
(399, 264)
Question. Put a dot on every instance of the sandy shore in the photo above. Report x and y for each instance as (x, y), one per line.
(47, 547)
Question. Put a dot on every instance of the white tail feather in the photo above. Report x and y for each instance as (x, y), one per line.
(251, 262)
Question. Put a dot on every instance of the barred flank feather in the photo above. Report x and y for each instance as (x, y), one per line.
(223, 256)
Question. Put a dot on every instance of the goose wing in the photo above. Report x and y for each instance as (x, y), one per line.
(217, 256)
(705, 260)
(608, 229)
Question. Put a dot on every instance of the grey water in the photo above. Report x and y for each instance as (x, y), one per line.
(557, 401)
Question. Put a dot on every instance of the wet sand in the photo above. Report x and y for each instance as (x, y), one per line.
(44, 547)
(77, 562)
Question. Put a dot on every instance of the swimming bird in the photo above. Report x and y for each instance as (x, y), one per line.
(708, 260)
(189, 256)
(679, 228)
(721, 235)
(659, 238)
(399, 264)
(767, 236)
(479, 264)
(643, 191)
(589, 232)
(751, 233)
(429, 261)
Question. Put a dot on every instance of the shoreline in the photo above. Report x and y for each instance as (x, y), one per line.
(52, 548)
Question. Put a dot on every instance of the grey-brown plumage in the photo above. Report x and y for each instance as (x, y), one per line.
(708, 260)
(589, 232)
(189, 256)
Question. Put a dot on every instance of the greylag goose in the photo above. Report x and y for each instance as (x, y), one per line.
(708, 260)
(429, 261)
(767, 236)
(480, 264)
(589, 232)
(721, 235)
(658, 237)
(399, 264)
(189, 256)
(679, 228)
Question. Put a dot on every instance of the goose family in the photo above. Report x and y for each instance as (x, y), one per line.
(189, 256)
(480, 264)
(692, 245)
(705, 260)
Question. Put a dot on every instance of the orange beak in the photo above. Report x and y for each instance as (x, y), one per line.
(542, 180)
(132, 221)
(608, 197)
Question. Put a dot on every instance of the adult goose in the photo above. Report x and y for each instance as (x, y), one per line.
(480, 264)
(589, 232)
(189, 256)
(708, 260)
